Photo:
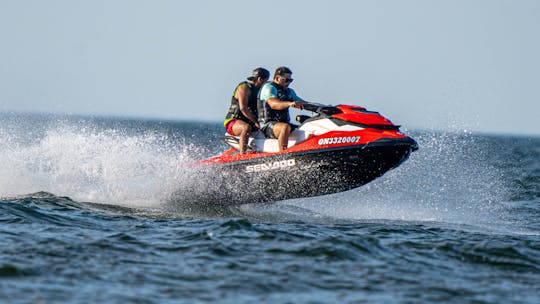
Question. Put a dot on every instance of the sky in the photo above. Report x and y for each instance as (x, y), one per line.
(461, 65)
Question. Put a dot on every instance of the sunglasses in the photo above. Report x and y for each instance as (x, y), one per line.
(287, 80)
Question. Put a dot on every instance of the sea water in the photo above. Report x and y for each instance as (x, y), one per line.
(87, 215)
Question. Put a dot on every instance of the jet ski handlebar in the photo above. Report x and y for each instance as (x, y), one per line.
(320, 108)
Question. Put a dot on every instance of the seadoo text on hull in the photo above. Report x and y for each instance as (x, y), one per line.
(338, 148)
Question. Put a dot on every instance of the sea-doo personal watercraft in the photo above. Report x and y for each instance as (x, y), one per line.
(337, 149)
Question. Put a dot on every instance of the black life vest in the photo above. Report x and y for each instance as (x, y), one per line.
(234, 109)
(267, 114)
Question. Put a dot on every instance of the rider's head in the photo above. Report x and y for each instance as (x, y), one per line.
(282, 76)
(259, 76)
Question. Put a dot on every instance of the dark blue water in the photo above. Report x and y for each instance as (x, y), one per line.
(86, 216)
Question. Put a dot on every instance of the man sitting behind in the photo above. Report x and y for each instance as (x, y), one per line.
(275, 99)
(242, 116)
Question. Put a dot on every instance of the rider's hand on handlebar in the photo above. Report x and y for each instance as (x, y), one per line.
(298, 104)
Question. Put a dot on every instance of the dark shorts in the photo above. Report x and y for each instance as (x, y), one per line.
(269, 129)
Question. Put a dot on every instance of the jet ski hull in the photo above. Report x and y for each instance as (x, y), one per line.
(305, 173)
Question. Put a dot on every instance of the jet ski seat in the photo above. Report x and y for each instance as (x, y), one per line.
(257, 142)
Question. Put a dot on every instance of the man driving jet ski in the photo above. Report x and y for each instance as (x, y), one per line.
(275, 99)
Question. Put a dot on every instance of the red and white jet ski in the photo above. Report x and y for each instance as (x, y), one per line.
(339, 148)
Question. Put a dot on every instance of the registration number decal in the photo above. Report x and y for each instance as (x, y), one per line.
(338, 140)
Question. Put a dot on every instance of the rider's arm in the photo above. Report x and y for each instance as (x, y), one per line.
(242, 94)
(277, 104)
(299, 102)
(269, 94)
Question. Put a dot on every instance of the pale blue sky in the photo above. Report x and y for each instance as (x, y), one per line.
(429, 64)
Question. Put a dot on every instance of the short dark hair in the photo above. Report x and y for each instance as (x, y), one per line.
(259, 72)
(282, 71)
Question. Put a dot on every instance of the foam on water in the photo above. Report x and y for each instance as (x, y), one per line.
(88, 163)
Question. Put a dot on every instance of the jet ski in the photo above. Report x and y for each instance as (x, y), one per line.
(336, 149)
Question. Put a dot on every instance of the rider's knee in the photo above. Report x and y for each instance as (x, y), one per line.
(287, 128)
